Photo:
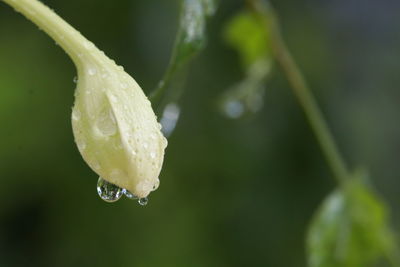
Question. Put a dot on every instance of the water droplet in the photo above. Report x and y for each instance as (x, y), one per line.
(106, 123)
(96, 165)
(76, 114)
(81, 145)
(113, 99)
(92, 71)
(88, 45)
(145, 145)
(107, 191)
(124, 85)
(153, 155)
(75, 79)
(143, 201)
(129, 195)
(156, 184)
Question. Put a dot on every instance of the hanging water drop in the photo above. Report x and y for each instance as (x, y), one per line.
(143, 201)
(107, 191)
(129, 195)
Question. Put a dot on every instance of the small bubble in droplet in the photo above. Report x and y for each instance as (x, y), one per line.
(143, 201)
(92, 71)
(107, 191)
(129, 195)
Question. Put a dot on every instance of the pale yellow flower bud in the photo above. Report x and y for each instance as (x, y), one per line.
(114, 125)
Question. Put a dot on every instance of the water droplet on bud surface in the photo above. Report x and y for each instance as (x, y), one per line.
(143, 201)
(156, 185)
(107, 191)
(75, 80)
(92, 71)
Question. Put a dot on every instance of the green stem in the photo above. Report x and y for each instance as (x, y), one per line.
(302, 91)
(47, 20)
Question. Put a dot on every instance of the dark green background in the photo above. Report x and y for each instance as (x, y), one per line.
(233, 192)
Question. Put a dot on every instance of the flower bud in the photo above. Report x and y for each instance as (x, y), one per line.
(115, 127)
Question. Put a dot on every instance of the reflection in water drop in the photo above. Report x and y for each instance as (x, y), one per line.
(233, 109)
(169, 118)
(129, 195)
(107, 191)
(143, 201)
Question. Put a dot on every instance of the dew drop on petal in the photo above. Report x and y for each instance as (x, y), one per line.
(156, 184)
(76, 114)
(92, 71)
(107, 191)
(81, 145)
(75, 79)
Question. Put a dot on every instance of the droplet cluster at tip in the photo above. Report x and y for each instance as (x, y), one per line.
(110, 192)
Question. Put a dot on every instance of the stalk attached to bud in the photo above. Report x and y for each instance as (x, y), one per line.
(114, 126)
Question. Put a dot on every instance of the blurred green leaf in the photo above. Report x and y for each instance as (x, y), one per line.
(248, 35)
(350, 229)
(190, 39)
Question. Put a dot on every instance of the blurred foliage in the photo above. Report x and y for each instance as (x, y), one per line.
(232, 193)
(190, 39)
(351, 229)
(248, 36)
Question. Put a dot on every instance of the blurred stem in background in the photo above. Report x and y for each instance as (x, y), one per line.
(351, 227)
(189, 41)
(301, 90)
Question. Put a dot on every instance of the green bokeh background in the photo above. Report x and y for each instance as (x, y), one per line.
(233, 192)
